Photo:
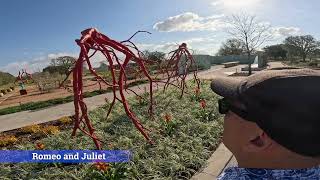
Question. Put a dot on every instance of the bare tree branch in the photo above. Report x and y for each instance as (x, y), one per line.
(249, 31)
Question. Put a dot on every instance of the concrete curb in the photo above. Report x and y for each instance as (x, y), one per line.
(215, 165)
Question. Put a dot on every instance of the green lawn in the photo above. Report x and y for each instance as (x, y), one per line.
(182, 145)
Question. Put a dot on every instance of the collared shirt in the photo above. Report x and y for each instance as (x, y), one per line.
(269, 174)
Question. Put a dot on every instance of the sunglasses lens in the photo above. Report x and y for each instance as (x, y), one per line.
(223, 106)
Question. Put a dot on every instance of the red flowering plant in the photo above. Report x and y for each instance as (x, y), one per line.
(39, 146)
(101, 166)
(203, 104)
(167, 117)
(204, 112)
(197, 91)
(114, 171)
(169, 124)
(196, 95)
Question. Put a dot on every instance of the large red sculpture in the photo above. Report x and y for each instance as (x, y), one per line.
(93, 40)
(120, 56)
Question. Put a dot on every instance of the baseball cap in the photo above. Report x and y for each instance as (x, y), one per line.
(285, 104)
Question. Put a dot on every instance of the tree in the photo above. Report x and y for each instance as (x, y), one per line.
(64, 61)
(315, 54)
(250, 32)
(102, 67)
(276, 51)
(303, 45)
(154, 56)
(55, 69)
(231, 47)
(61, 65)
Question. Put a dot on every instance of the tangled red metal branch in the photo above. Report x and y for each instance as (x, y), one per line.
(178, 67)
(23, 76)
(93, 40)
(175, 70)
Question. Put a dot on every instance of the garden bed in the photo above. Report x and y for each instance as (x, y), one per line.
(34, 133)
(186, 132)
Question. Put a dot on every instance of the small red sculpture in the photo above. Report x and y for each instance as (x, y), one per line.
(177, 69)
(22, 78)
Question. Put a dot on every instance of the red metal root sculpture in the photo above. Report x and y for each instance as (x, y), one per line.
(177, 69)
(93, 40)
(23, 76)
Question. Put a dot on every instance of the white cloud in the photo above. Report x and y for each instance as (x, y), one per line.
(200, 45)
(216, 3)
(34, 65)
(37, 64)
(232, 5)
(190, 22)
(286, 31)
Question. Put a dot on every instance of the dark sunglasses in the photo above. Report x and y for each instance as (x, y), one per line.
(225, 106)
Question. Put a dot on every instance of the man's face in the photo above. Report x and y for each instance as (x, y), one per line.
(237, 133)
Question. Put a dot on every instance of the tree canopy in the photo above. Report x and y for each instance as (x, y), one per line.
(276, 51)
(231, 47)
(62, 65)
(155, 56)
(302, 46)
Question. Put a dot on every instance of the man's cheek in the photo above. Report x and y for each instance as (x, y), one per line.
(227, 136)
(231, 133)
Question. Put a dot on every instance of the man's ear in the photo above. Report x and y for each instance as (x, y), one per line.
(258, 143)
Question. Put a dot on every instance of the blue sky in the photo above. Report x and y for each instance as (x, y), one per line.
(33, 32)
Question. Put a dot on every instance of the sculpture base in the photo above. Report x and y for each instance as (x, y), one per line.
(23, 92)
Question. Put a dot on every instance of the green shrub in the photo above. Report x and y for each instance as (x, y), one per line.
(3, 91)
(313, 63)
